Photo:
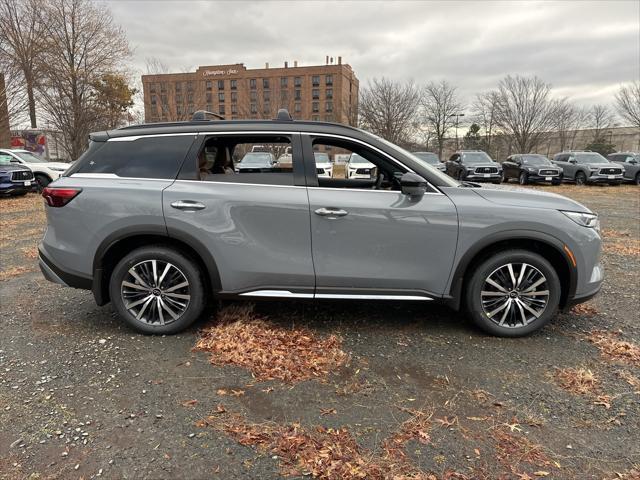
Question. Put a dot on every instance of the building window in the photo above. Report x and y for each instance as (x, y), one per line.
(190, 97)
(234, 84)
(328, 107)
(298, 95)
(209, 107)
(152, 88)
(266, 108)
(266, 95)
(234, 97)
(315, 118)
(179, 109)
(221, 97)
(329, 93)
(252, 83)
(315, 80)
(178, 86)
(209, 84)
(220, 84)
(253, 96)
(328, 79)
(209, 97)
(297, 107)
(265, 83)
(163, 87)
(190, 86)
(153, 99)
(221, 109)
(178, 98)
(284, 82)
(234, 109)
(328, 118)
(164, 99)
(284, 95)
(315, 106)
(254, 108)
(315, 93)
(297, 81)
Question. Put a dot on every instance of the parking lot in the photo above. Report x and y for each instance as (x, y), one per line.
(333, 390)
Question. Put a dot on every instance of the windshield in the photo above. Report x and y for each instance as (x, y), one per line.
(321, 157)
(476, 157)
(591, 157)
(29, 157)
(256, 159)
(442, 177)
(430, 158)
(535, 160)
(5, 159)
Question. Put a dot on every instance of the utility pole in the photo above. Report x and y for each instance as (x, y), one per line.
(457, 115)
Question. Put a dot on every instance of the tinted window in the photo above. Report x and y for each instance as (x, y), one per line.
(476, 157)
(591, 157)
(152, 157)
(535, 160)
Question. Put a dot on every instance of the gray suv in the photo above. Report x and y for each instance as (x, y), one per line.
(588, 167)
(156, 220)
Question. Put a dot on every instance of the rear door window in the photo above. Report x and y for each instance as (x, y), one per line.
(143, 157)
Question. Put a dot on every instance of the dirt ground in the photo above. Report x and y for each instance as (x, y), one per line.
(391, 390)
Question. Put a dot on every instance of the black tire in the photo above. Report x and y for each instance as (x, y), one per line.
(505, 179)
(42, 181)
(481, 272)
(523, 179)
(462, 175)
(581, 178)
(185, 266)
(637, 179)
(556, 182)
(20, 194)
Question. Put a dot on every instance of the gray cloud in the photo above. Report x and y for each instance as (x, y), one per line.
(584, 49)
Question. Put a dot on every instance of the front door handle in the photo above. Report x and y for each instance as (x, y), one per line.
(331, 212)
(188, 205)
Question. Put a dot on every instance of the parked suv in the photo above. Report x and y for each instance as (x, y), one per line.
(584, 167)
(630, 161)
(473, 165)
(430, 158)
(137, 221)
(530, 168)
(44, 171)
(15, 179)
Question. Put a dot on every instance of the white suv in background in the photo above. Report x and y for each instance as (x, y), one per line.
(359, 167)
(44, 171)
(324, 167)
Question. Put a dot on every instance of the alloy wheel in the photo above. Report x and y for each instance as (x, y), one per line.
(580, 178)
(155, 292)
(514, 295)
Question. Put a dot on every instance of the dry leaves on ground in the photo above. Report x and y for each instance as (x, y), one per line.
(14, 272)
(512, 450)
(612, 348)
(243, 338)
(320, 452)
(587, 309)
(21, 204)
(630, 379)
(582, 381)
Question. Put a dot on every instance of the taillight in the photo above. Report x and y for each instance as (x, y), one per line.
(59, 197)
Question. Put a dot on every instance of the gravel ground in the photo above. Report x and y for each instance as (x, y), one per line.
(82, 396)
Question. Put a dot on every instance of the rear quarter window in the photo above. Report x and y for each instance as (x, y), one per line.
(152, 157)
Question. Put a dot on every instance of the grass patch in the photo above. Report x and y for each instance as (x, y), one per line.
(14, 272)
(241, 337)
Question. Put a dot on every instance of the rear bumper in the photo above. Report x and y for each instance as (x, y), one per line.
(56, 274)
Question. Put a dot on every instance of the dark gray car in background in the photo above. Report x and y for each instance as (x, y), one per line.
(630, 161)
(135, 221)
(474, 166)
(531, 168)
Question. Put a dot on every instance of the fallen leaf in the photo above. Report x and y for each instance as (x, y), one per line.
(541, 473)
(189, 403)
(221, 391)
(237, 393)
(327, 411)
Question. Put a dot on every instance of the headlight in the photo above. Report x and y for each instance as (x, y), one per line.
(589, 220)
(594, 169)
(531, 169)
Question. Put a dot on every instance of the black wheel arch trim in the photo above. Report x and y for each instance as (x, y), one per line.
(72, 279)
(99, 285)
(454, 296)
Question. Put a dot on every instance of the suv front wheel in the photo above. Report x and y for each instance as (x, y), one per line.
(513, 293)
(157, 290)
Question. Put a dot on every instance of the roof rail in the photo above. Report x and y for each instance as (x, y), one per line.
(283, 115)
(203, 115)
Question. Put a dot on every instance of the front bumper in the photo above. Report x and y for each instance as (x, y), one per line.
(483, 177)
(535, 177)
(11, 188)
(599, 178)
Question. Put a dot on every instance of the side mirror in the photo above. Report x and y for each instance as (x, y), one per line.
(573, 160)
(413, 184)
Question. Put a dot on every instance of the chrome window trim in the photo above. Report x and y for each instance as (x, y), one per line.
(153, 135)
(113, 176)
(276, 293)
(205, 182)
(397, 192)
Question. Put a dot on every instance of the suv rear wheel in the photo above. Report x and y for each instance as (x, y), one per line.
(513, 293)
(157, 290)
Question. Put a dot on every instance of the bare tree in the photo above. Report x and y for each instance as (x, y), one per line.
(628, 103)
(484, 113)
(390, 109)
(83, 45)
(21, 42)
(567, 121)
(525, 110)
(13, 95)
(440, 105)
(600, 119)
(156, 66)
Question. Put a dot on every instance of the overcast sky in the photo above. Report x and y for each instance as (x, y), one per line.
(584, 49)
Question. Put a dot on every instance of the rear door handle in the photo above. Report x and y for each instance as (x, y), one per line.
(188, 205)
(331, 212)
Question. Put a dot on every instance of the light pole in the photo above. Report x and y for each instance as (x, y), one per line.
(457, 115)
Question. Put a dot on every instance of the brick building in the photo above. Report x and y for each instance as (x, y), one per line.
(323, 92)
